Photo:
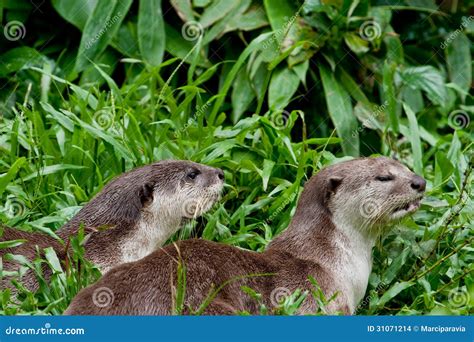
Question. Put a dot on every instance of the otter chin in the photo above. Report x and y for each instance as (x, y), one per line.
(340, 215)
(133, 215)
(406, 209)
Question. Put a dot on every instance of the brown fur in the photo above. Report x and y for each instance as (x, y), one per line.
(111, 217)
(311, 246)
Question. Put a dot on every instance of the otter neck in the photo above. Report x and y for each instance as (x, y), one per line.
(153, 229)
(334, 242)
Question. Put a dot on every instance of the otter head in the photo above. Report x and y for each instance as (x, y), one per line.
(368, 193)
(181, 189)
(163, 193)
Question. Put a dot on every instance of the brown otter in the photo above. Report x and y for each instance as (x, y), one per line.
(341, 212)
(132, 216)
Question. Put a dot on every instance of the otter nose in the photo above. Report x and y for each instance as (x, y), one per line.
(418, 183)
(220, 174)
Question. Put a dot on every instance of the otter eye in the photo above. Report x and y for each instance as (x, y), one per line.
(385, 178)
(193, 174)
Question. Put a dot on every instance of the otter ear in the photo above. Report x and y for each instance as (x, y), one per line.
(334, 182)
(146, 193)
(331, 187)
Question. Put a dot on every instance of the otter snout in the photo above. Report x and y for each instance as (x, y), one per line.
(418, 183)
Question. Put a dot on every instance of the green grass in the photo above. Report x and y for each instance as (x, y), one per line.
(269, 109)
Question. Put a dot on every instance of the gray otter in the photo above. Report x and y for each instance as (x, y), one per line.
(341, 212)
(132, 216)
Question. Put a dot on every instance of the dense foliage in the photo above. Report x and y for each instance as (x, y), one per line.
(270, 92)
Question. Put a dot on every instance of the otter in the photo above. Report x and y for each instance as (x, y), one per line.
(341, 213)
(133, 215)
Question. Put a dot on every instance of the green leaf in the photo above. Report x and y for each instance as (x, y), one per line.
(301, 70)
(340, 111)
(254, 45)
(179, 47)
(51, 169)
(6, 178)
(279, 12)
(16, 59)
(283, 85)
(217, 10)
(356, 43)
(393, 291)
(52, 259)
(252, 19)
(151, 31)
(75, 12)
(395, 266)
(11, 243)
(184, 9)
(458, 57)
(100, 29)
(443, 168)
(414, 136)
(389, 95)
(266, 172)
(242, 95)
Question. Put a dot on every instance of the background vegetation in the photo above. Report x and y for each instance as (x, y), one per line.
(270, 92)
